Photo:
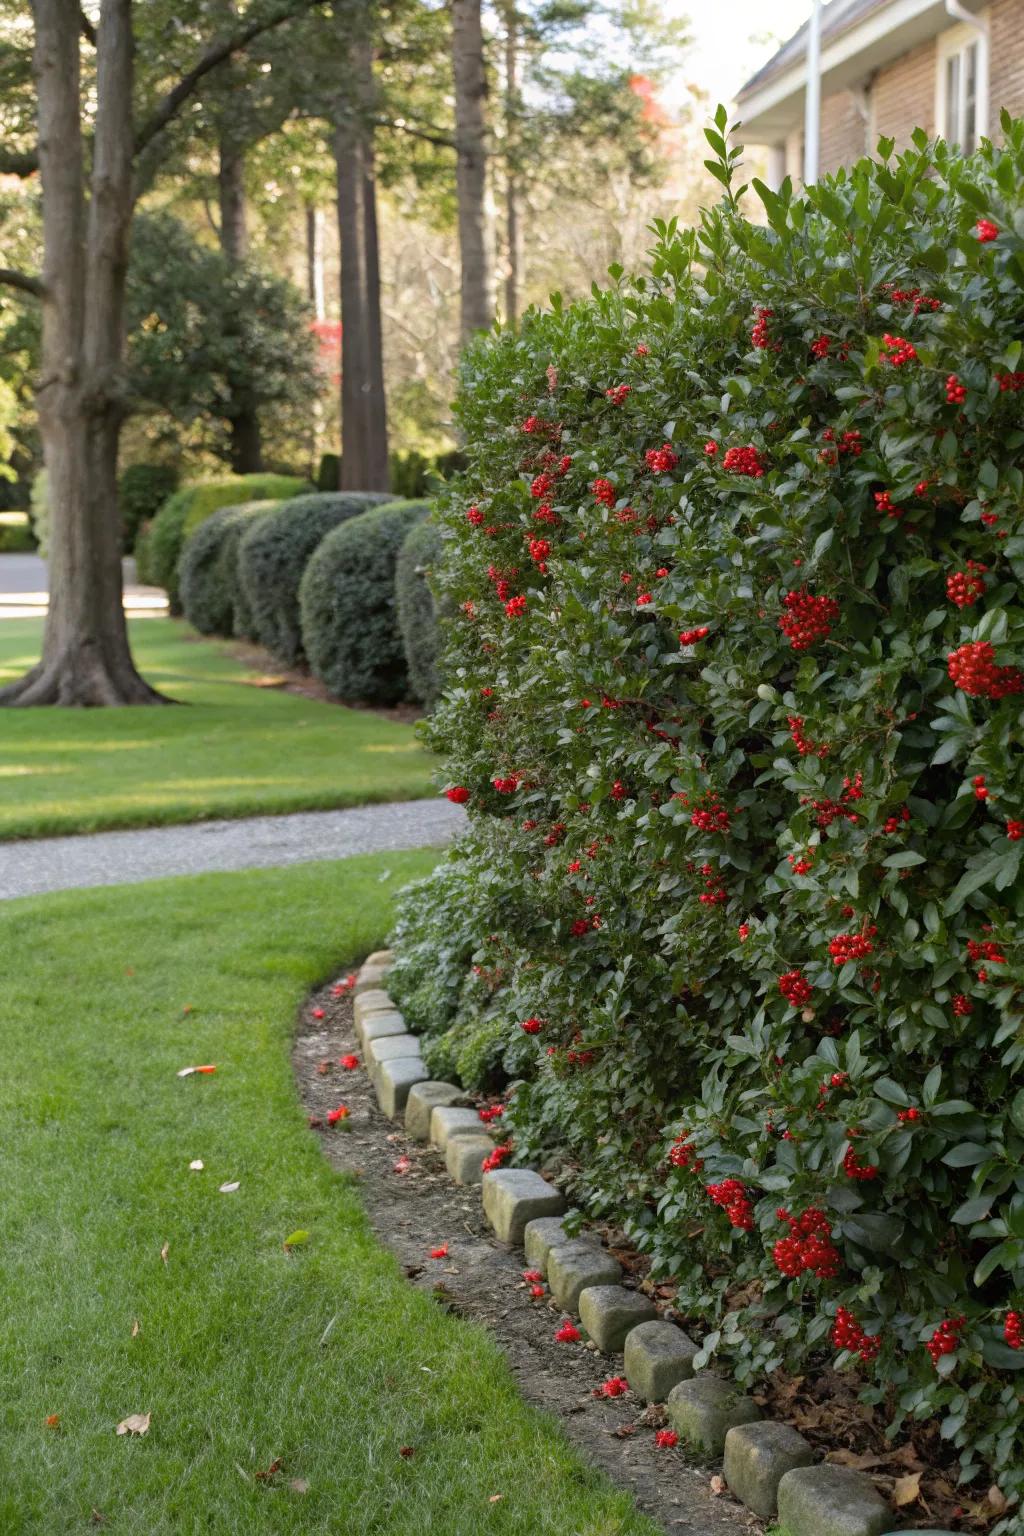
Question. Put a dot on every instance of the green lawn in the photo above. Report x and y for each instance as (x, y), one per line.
(236, 750)
(235, 1359)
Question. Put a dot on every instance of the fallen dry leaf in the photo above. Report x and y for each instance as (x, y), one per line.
(164, 1251)
(196, 1165)
(495, 1497)
(299, 1485)
(271, 1471)
(717, 1485)
(136, 1328)
(996, 1501)
(230, 1187)
(860, 1461)
(135, 1424)
(53, 1421)
(907, 1490)
(407, 1451)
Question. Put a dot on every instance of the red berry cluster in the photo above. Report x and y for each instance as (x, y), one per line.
(502, 581)
(458, 794)
(618, 790)
(618, 393)
(714, 893)
(497, 1157)
(807, 618)
(542, 485)
(795, 988)
(475, 516)
(760, 336)
(985, 949)
(986, 231)
(544, 514)
(965, 587)
(804, 745)
(847, 1333)
(973, 669)
(897, 350)
(851, 946)
(615, 1386)
(683, 1155)
(884, 503)
(820, 346)
(691, 636)
(897, 821)
(1010, 383)
(809, 1248)
(711, 447)
(711, 815)
(515, 607)
(956, 393)
(1015, 831)
(945, 1338)
(507, 786)
(980, 787)
(962, 1006)
(744, 461)
(912, 296)
(568, 1333)
(855, 1169)
(905, 1115)
(1013, 1330)
(603, 491)
(661, 460)
(643, 598)
(491, 1112)
(801, 864)
(827, 811)
(734, 1201)
(532, 1026)
(539, 551)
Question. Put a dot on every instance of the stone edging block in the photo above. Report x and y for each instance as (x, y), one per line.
(376, 1025)
(704, 1409)
(394, 1079)
(757, 1458)
(464, 1158)
(514, 1196)
(577, 1264)
(831, 1501)
(541, 1235)
(448, 1121)
(424, 1098)
(658, 1357)
(375, 1001)
(609, 1312)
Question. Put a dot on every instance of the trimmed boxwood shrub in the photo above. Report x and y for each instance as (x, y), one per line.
(208, 569)
(417, 610)
(273, 555)
(182, 513)
(736, 682)
(349, 627)
(141, 492)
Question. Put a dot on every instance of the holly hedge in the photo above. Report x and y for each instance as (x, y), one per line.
(734, 698)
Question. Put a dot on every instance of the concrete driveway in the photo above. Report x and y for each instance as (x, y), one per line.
(24, 586)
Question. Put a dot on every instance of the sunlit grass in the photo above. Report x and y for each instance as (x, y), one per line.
(233, 751)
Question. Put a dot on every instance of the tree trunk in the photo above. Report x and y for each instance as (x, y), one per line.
(86, 659)
(315, 260)
(234, 230)
(243, 420)
(477, 299)
(512, 235)
(364, 444)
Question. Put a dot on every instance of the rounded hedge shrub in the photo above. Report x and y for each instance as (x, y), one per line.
(182, 513)
(208, 569)
(417, 610)
(735, 693)
(273, 555)
(141, 492)
(347, 599)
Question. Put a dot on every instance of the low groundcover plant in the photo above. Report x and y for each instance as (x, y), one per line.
(735, 679)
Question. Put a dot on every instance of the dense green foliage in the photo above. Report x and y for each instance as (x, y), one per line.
(238, 749)
(209, 339)
(417, 610)
(746, 817)
(141, 492)
(208, 569)
(350, 630)
(16, 537)
(273, 555)
(159, 550)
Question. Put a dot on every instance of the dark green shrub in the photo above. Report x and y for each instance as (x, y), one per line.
(417, 610)
(273, 555)
(208, 570)
(737, 668)
(141, 492)
(349, 626)
(182, 513)
(328, 476)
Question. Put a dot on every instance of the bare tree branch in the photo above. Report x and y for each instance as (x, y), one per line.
(18, 163)
(217, 54)
(23, 280)
(86, 28)
(402, 125)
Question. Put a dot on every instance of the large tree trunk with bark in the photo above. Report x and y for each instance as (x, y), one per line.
(477, 297)
(315, 260)
(243, 421)
(513, 237)
(86, 658)
(364, 442)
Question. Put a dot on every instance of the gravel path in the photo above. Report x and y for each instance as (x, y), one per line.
(259, 842)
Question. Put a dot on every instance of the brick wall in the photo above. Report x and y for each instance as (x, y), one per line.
(1005, 61)
(903, 96)
(843, 131)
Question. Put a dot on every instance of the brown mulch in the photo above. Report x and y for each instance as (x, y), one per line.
(268, 673)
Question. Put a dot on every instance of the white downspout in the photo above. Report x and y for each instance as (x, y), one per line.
(812, 111)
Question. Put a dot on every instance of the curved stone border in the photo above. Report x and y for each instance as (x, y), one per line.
(768, 1466)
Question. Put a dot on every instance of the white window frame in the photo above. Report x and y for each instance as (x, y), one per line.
(956, 41)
